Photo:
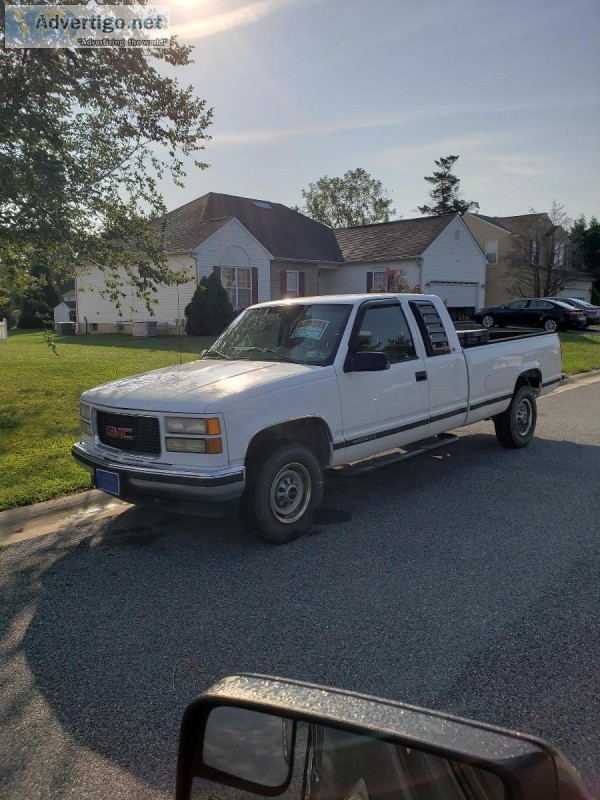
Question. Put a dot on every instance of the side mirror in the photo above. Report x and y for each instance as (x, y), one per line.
(368, 362)
(270, 736)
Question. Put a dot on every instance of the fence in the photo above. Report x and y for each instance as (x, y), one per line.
(3, 331)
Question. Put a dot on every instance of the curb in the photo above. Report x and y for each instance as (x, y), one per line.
(21, 523)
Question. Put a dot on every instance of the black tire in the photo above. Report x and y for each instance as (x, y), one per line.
(515, 426)
(488, 320)
(284, 489)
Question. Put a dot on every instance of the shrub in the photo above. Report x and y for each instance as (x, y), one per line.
(210, 310)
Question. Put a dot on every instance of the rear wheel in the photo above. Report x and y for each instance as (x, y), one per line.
(487, 320)
(515, 426)
(284, 489)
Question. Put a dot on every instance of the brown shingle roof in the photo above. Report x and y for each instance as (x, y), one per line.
(404, 237)
(285, 233)
(520, 223)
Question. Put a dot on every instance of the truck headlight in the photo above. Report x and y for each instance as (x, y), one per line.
(86, 428)
(85, 411)
(193, 425)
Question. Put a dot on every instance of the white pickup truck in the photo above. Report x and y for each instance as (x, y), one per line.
(295, 387)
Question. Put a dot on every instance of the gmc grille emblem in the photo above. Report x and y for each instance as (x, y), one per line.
(118, 433)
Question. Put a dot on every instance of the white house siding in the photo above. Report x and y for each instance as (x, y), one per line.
(102, 315)
(457, 261)
(234, 246)
(352, 278)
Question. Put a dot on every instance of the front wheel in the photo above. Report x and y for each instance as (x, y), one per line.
(550, 325)
(487, 320)
(283, 492)
(515, 426)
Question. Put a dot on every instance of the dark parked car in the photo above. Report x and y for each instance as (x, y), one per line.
(552, 315)
(591, 312)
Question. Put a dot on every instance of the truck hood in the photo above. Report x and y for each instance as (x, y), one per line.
(194, 386)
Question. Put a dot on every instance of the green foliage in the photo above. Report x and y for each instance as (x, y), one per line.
(210, 310)
(355, 199)
(586, 242)
(38, 301)
(8, 309)
(445, 194)
(85, 136)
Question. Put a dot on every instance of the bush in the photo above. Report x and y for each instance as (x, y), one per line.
(210, 310)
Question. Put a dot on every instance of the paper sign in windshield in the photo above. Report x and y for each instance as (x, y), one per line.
(310, 329)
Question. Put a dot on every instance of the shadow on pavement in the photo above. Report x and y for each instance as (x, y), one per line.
(436, 582)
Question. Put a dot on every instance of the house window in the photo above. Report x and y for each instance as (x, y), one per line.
(380, 281)
(559, 254)
(491, 251)
(534, 251)
(237, 282)
(292, 284)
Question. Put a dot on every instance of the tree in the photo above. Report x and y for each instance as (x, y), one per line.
(586, 245)
(85, 135)
(355, 199)
(542, 255)
(210, 310)
(397, 283)
(38, 300)
(445, 194)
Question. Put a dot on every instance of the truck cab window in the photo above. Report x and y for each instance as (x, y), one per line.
(384, 329)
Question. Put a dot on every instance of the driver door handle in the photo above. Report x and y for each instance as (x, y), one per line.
(421, 376)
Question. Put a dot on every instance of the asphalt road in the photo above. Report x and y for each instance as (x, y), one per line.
(466, 582)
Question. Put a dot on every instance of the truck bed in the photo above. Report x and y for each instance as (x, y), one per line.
(473, 335)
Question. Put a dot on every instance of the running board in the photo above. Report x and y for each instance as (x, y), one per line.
(366, 465)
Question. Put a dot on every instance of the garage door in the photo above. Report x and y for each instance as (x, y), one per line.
(456, 294)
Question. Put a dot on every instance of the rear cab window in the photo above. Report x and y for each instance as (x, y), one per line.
(431, 327)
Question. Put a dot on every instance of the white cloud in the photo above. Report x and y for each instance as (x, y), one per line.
(218, 23)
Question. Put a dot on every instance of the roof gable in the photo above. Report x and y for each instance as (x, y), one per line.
(388, 240)
(283, 232)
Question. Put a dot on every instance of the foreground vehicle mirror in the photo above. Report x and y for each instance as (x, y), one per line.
(275, 737)
(369, 362)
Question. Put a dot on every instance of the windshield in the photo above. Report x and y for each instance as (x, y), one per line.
(301, 333)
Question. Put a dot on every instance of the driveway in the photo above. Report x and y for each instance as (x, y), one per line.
(466, 581)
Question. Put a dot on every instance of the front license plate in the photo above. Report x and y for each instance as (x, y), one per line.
(108, 481)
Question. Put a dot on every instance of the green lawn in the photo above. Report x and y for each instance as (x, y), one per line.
(39, 399)
(581, 352)
(39, 403)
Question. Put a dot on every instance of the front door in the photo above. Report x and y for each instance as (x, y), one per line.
(383, 410)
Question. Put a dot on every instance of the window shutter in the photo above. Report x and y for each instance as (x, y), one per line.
(301, 284)
(254, 285)
(369, 281)
(217, 271)
(283, 283)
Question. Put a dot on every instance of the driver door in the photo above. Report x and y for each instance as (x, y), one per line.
(389, 408)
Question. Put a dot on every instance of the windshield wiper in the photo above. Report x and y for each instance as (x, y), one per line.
(216, 353)
(270, 350)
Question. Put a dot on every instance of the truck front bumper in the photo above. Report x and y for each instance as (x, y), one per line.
(211, 492)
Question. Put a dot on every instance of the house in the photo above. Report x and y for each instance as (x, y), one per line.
(64, 312)
(263, 250)
(527, 255)
(438, 254)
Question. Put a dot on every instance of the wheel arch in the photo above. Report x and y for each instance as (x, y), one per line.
(311, 431)
(531, 377)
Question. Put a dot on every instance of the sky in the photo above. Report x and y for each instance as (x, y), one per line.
(306, 88)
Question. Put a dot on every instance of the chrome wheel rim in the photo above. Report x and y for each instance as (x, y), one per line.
(551, 325)
(487, 321)
(524, 418)
(290, 493)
